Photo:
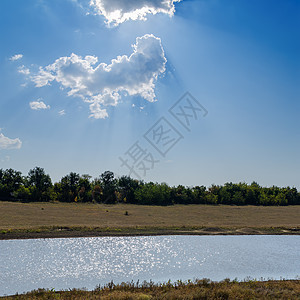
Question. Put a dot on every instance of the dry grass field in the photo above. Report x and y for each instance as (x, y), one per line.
(31, 215)
(200, 289)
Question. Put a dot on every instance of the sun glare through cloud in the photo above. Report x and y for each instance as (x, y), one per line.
(101, 84)
(117, 12)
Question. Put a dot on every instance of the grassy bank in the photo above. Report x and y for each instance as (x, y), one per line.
(199, 289)
(35, 220)
(68, 232)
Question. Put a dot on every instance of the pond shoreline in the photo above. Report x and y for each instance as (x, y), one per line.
(76, 232)
(198, 289)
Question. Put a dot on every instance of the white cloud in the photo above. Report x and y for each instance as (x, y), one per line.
(23, 70)
(7, 143)
(16, 57)
(38, 105)
(102, 85)
(62, 112)
(119, 11)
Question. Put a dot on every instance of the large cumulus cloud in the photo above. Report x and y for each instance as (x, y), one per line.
(102, 84)
(119, 11)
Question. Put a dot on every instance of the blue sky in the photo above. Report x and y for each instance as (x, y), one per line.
(83, 81)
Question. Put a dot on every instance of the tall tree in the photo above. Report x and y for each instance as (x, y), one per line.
(10, 181)
(109, 186)
(40, 182)
(84, 194)
(68, 187)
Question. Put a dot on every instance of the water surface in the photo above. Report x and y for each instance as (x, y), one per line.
(87, 262)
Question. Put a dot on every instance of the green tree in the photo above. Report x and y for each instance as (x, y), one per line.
(199, 194)
(179, 195)
(97, 193)
(68, 187)
(85, 194)
(212, 195)
(292, 196)
(252, 194)
(238, 198)
(40, 184)
(109, 186)
(127, 186)
(153, 194)
(23, 193)
(281, 199)
(10, 181)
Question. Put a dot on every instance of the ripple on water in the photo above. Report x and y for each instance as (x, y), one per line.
(87, 262)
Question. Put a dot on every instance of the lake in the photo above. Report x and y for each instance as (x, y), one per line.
(87, 262)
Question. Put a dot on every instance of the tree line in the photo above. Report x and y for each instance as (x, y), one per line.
(37, 186)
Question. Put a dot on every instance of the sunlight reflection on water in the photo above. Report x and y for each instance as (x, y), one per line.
(87, 262)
